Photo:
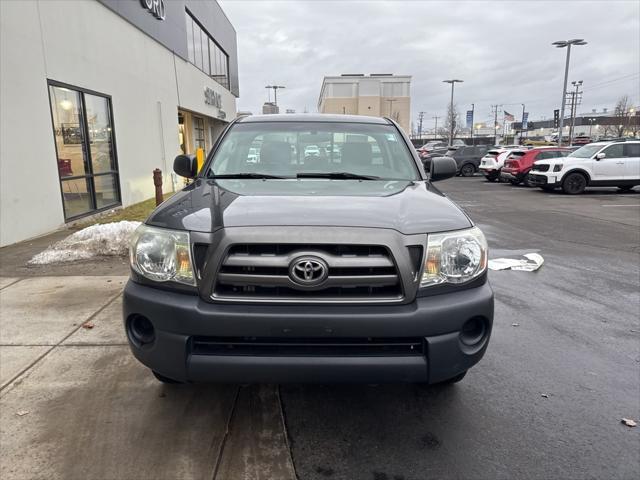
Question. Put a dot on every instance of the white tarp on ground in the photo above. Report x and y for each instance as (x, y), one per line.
(529, 263)
(97, 240)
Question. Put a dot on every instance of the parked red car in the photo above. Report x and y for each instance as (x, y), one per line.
(519, 162)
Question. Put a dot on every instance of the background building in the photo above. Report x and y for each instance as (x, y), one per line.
(96, 94)
(378, 95)
(270, 108)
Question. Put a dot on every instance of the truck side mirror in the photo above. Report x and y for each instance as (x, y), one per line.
(600, 156)
(186, 166)
(443, 167)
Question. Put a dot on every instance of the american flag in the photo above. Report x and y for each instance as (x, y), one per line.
(508, 117)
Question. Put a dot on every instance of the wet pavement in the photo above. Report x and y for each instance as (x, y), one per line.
(546, 401)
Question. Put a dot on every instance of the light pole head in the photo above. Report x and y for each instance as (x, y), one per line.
(455, 80)
(566, 43)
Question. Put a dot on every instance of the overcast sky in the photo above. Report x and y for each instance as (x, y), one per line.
(502, 50)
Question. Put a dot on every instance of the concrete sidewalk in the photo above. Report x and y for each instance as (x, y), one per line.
(75, 404)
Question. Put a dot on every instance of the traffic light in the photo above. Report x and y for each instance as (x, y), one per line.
(556, 118)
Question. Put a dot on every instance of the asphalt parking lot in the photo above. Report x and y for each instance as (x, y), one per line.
(546, 401)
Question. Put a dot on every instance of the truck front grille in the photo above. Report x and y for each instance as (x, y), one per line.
(262, 272)
(276, 346)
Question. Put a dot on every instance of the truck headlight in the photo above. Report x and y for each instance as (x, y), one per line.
(162, 255)
(454, 257)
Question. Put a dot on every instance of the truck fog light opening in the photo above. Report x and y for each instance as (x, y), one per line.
(474, 332)
(141, 330)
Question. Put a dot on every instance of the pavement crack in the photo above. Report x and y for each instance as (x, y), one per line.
(11, 382)
(227, 432)
(12, 283)
(285, 431)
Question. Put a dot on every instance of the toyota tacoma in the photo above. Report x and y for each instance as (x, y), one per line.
(344, 264)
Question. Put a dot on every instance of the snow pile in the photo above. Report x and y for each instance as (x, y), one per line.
(111, 239)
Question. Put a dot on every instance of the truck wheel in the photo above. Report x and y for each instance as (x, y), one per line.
(467, 170)
(164, 379)
(574, 183)
(455, 379)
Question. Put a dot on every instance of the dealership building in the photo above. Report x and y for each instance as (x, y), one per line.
(96, 94)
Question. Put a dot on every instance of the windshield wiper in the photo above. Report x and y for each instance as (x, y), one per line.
(337, 176)
(244, 175)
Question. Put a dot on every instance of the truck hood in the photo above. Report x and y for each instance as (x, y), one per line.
(408, 207)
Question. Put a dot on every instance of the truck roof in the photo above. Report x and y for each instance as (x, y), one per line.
(313, 117)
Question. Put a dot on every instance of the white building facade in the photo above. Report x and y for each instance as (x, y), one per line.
(96, 94)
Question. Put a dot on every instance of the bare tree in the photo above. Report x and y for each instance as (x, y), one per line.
(622, 115)
(446, 128)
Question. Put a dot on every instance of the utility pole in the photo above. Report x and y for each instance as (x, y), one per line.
(420, 117)
(494, 109)
(451, 113)
(435, 129)
(567, 44)
(575, 101)
(275, 92)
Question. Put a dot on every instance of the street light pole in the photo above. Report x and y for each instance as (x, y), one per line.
(522, 126)
(451, 114)
(473, 108)
(591, 120)
(391, 100)
(435, 129)
(563, 44)
(275, 92)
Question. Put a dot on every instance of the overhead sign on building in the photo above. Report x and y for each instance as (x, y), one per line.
(213, 98)
(155, 7)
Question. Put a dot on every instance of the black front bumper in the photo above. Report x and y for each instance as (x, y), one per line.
(180, 320)
(541, 181)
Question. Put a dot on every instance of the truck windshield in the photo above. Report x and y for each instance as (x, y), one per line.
(330, 150)
(586, 152)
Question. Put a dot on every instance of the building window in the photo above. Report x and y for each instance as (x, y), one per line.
(205, 53)
(85, 150)
(395, 89)
(198, 133)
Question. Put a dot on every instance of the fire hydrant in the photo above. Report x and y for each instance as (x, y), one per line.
(157, 181)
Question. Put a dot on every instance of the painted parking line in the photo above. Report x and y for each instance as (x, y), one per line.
(620, 205)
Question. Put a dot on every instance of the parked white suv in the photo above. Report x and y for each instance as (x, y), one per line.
(602, 164)
(492, 163)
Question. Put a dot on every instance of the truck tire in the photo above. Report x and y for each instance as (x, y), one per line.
(467, 170)
(574, 183)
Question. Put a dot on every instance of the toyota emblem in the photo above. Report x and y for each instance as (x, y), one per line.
(308, 271)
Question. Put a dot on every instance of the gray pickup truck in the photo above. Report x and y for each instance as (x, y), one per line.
(341, 264)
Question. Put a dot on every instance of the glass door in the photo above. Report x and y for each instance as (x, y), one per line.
(85, 150)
